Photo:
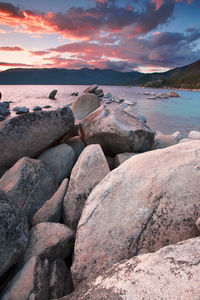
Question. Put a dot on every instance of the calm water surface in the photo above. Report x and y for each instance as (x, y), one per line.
(166, 115)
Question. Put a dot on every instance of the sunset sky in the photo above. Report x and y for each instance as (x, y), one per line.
(124, 35)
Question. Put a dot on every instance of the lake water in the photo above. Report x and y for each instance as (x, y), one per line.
(167, 115)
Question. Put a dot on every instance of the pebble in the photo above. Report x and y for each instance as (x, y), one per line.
(36, 108)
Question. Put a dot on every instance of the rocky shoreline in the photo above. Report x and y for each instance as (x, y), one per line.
(94, 204)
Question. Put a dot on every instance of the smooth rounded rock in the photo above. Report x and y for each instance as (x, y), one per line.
(194, 135)
(84, 105)
(150, 201)
(88, 171)
(60, 159)
(163, 141)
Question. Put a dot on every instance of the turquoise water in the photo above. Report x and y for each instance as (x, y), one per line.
(165, 115)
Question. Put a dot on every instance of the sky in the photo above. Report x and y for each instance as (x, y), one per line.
(124, 35)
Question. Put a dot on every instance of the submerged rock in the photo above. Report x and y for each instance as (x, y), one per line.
(30, 134)
(173, 94)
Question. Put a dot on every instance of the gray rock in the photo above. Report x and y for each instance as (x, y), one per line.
(30, 134)
(6, 103)
(30, 282)
(109, 101)
(60, 281)
(89, 170)
(150, 201)
(2, 118)
(13, 233)
(51, 211)
(21, 110)
(116, 131)
(36, 108)
(170, 273)
(77, 144)
(47, 106)
(4, 111)
(107, 96)
(52, 94)
(84, 105)
(60, 159)
(29, 183)
(135, 113)
(50, 241)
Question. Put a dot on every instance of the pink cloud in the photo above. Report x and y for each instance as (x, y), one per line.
(13, 48)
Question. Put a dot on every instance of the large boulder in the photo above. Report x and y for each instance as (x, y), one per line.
(13, 233)
(60, 159)
(116, 131)
(32, 133)
(84, 104)
(29, 183)
(150, 201)
(89, 170)
(30, 282)
(52, 209)
(50, 240)
(170, 273)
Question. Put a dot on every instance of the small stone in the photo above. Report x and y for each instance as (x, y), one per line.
(162, 96)
(173, 94)
(194, 135)
(52, 94)
(107, 96)
(21, 110)
(37, 108)
(47, 106)
(109, 101)
(4, 111)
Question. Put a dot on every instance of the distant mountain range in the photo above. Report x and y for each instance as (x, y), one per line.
(67, 76)
(183, 77)
(187, 77)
